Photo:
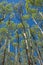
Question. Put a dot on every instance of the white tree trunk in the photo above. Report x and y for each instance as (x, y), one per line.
(8, 45)
(27, 48)
(25, 40)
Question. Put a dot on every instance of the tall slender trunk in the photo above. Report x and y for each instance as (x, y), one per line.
(25, 36)
(4, 57)
(4, 53)
(26, 46)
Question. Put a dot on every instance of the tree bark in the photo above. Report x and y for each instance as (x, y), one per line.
(4, 53)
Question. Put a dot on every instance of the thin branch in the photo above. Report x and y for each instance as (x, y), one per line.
(38, 25)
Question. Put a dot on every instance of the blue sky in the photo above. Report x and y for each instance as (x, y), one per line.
(30, 21)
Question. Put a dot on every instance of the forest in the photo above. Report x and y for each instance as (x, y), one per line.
(20, 43)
